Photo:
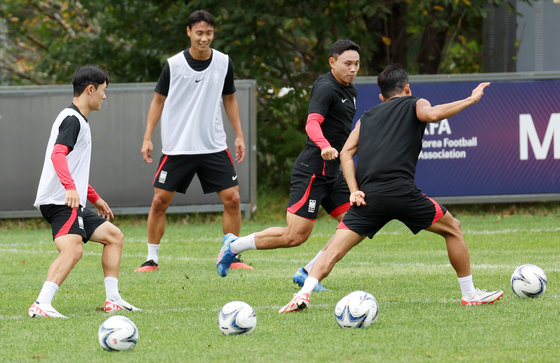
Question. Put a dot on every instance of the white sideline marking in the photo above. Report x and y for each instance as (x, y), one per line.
(218, 239)
(141, 256)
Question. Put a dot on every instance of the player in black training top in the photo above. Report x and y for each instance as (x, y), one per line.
(316, 177)
(388, 140)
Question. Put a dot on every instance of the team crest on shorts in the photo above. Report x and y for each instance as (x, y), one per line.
(312, 205)
(81, 222)
(162, 176)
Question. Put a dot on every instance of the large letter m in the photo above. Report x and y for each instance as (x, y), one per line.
(528, 135)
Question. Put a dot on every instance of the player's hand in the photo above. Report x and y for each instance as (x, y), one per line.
(103, 209)
(358, 198)
(329, 153)
(239, 149)
(147, 148)
(72, 199)
(478, 92)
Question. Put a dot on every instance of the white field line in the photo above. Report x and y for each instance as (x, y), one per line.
(326, 235)
(140, 256)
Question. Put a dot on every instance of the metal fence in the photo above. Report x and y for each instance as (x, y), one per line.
(118, 172)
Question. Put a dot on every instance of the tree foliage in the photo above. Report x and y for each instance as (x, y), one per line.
(280, 43)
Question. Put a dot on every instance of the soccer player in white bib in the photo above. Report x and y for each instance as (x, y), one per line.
(64, 190)
(188, 99)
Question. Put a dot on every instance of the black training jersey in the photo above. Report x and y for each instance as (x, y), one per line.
(162, 86)
(337, 104)
(389, 144)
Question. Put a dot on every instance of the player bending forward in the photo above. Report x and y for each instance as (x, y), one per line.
(388, 140)
(64, 190)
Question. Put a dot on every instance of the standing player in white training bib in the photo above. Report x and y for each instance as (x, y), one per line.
(188, 99)
(64, 190)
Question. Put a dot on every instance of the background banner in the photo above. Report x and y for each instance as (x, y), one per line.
(507, 144)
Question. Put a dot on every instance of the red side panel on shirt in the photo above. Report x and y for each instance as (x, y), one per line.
(294, 208)
(58, 157)
(66, 227)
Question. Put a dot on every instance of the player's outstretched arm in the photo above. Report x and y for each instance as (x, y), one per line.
(428, 113)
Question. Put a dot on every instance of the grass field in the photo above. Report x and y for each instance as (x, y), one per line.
(420, 318)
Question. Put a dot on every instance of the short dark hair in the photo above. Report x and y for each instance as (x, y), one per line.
(341, 46)
(198, 16)
(392, 80)
(86, 75)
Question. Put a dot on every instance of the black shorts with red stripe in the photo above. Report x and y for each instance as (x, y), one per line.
(65, 220)
(408, 205)
(215, 172)
(309, 191)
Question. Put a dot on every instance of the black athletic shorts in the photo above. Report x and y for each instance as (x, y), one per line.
(215, 172)
(65, 220)
(412, 207)
(309, 191)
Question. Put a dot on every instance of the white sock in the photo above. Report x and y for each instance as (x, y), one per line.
(112, 288)
(47, 293)
(310, 263)
(243, 244)
(309, 285)
(467, 286)
(153, 252)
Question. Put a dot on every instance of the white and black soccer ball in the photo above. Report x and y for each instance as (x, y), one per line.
(358, 309)
(528, 281)
(237, 317)
(118, 333)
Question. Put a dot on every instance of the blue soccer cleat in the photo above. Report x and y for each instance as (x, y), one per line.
(301, 275)
(225, 257)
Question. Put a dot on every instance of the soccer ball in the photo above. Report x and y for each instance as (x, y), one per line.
(358, 309)
(528, 281)
(118, 333)
(237, 317)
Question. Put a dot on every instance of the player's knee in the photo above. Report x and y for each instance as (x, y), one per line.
(293, 240)
(75, 253)
(115, 237)
(452, 228)
(232, 202)
(159, 204)
(456, 226)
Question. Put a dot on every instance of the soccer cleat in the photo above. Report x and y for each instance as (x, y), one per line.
(44, 311)
(298, 302)
(482, 297)
(112, 306)
(225, 257)
(149, 265)
(301, 275)
(238, 264)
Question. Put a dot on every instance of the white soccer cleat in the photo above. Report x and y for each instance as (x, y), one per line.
(298, 302)
(119, 305)
(44, 311)
(482, 297)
